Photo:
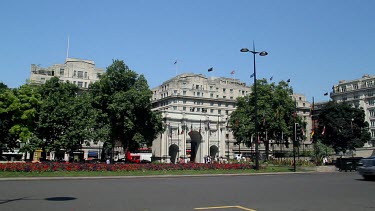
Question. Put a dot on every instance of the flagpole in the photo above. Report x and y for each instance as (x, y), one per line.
(208, 137)
(178, 141)
(67, 49)
(176, 66)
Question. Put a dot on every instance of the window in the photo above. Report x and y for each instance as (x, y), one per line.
(219, 104)
(196, 86)
(198, 93)
(224, 97)
(355, 86)
(211, 95)
(231, 91)
(198, 109)
(224, 90)
(184, 102)
(217, 96)
(371, 102)
(372, 113)
(184, 92)
(75, 73)
(226, 105)
(211, 87)
(85, 84)
(243, 92)
(174, 101)
(343, 89)
(85, 74)
(219, 111)
(184, 108)
(174, 107)
(372, 123)
(211, 111)
(80, 83)
(226, 112)
(62, 71)
(80, 74)
(211, 103)
(231, 98)
(175, 91)
(370, 93)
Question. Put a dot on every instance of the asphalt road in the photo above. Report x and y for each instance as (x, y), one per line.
(283, 192)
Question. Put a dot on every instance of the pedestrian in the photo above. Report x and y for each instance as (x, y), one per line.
(182, 160)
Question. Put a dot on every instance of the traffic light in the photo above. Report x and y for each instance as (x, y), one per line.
(298, 131)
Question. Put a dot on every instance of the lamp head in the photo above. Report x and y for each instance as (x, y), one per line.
(263, 53)
(244, 50)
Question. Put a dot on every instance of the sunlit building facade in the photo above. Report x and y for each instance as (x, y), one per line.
(360, 93)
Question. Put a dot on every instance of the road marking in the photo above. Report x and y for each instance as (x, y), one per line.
(224, 207)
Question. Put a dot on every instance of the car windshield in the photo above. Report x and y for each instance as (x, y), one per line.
(368, 162)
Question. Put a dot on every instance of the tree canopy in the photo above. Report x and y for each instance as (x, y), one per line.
(18, 114)
(275, 116)
(123, 100)
(344, 126)
(64, 120)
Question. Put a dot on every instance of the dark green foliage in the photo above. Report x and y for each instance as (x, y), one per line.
(345, 126)
(275, 117)
(65, 118)
(18, 113)
(123, 100)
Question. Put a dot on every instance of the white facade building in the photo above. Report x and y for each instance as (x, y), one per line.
(303, 110)
(77, 71)
(195, 111)
(361, 94)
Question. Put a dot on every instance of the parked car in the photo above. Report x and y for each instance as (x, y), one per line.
(367, 168)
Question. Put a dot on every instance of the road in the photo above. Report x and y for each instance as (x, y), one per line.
(282, 192)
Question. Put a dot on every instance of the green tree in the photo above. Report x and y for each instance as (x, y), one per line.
(65, 118)
(344, 126)
(275, 114)
(18, 111)
(123, 100)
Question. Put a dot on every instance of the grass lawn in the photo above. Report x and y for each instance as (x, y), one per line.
(269, 169)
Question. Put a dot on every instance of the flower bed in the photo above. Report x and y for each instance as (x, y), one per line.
(58, 166)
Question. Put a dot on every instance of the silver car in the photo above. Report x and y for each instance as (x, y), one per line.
(367, 168)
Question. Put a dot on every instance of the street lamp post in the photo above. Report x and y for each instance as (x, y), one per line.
(262, 53)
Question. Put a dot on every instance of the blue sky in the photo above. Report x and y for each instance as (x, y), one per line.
(314, 43)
